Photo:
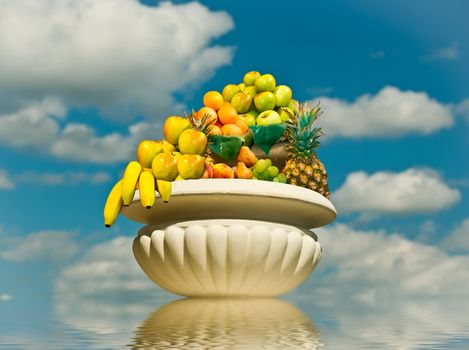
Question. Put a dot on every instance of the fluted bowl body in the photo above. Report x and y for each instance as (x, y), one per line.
(227, 257)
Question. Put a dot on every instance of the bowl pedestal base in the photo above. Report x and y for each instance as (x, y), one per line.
(226, 258)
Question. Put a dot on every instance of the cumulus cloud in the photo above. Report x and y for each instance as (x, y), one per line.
(6, 183)
(379, 264)
(391, 112)
(107, 289)
(5, 297)
(70, 178)
(80, 142)
(462, 109)
(120, 55)
(458, 240)
(449, 53)
(391, 291)
(43, 245)
(106, 267)
(376, 55)
(117, 54)
(36, 127)
(411, 191)
(66, 178)
(33, 125)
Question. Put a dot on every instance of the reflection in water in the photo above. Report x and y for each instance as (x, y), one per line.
(227, 324)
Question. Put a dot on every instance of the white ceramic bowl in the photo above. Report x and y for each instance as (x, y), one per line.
(219, 237)
(227, 257)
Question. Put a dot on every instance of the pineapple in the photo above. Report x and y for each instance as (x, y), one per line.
(205, 126)
(303, 167)
(200, 124)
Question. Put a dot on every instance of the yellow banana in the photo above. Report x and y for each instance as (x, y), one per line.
(147, 188)
(164, 189)
(129, 181)
(113, 204)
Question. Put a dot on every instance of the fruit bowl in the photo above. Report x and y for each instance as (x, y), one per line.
(230, 237)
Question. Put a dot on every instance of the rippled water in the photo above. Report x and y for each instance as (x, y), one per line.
(292, 323)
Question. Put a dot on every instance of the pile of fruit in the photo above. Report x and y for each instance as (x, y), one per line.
(229, 137)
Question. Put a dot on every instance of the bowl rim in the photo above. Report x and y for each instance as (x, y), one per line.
(238, 198)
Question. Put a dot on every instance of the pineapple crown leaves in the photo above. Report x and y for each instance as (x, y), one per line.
(302, 136)
(200, 124)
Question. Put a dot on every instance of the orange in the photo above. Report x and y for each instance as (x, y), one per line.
(227, 114)
(216, 130)
(242, 125)
(213, 99)
(231, 130)
(210, 111)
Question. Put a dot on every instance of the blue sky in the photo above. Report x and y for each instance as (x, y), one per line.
(82, 83)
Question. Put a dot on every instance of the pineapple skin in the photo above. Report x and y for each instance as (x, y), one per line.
(309, 174)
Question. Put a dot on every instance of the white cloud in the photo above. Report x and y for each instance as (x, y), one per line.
(411, 191)
(319, 90)
(382, 291)
(106, 267)
(99, 177)
(462, 109)
(107, 289)
(5, 297)
(377, 55)
(79, 142)
(391, 112)
(33, 125)
(458, 240)
(43, 245)
(118, 54)
(36, 128)
(388, 265)
(6, 183)
(449, 53)
(386, 292)
(67, 178)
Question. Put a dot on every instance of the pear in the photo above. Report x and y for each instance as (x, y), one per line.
(242, 171)
(247, 156)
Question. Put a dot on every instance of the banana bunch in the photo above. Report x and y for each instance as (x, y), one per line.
(122, 194)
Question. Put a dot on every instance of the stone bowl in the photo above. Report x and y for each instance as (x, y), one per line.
(230, 238)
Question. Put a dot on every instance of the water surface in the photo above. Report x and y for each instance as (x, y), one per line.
(297, 321)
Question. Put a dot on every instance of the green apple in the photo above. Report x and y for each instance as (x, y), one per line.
(265, 82)
(291, 105)
(191, 166)
(269, 117)
(248, 118)
(283, 111)
(250, 78)
(241, 102)
(241, 86)
(282, 95)
(253, 112)
(250, 90)
(147, 150)
(173, 127)
(229, 91)
(164, 167)
(264, 101)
